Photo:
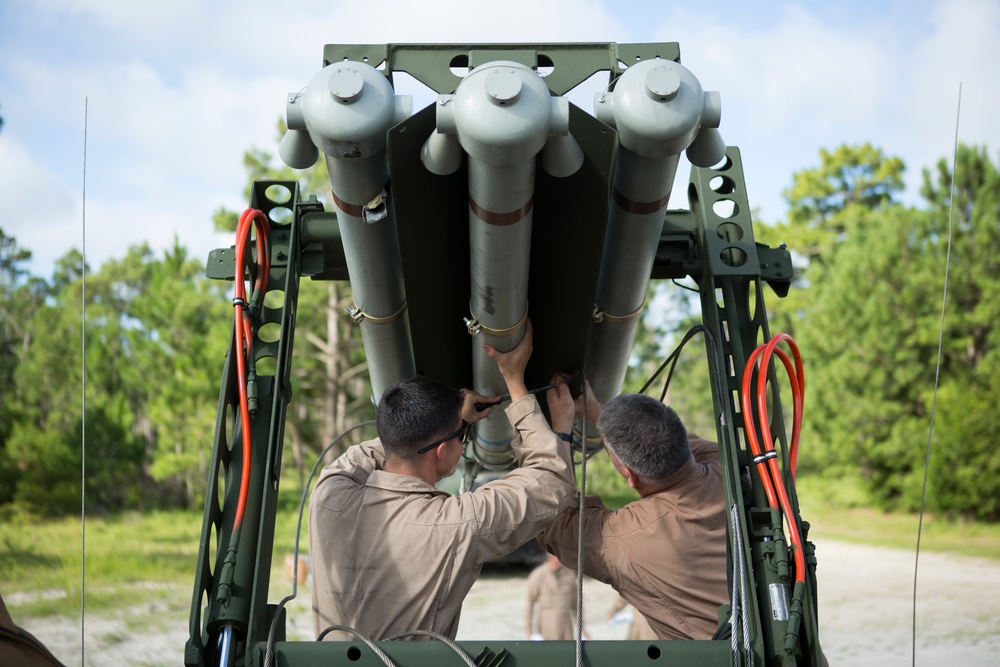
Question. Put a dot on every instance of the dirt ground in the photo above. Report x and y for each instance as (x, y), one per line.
(865, 600)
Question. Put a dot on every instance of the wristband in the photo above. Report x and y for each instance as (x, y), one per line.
(565, 437)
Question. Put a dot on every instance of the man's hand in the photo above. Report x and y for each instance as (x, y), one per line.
(561, 405)
(469, 400)
(513, 363)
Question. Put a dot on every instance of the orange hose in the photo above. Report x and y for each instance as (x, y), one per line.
(243, 332)
(797, 379)
(751, 432)
(773, 481)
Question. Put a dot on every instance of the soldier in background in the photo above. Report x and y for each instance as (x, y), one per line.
(552, 590)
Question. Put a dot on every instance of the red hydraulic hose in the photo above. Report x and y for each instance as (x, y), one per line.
(747, 408)
(795, 536)
(243, 331)
(771, 475)
(797, 380)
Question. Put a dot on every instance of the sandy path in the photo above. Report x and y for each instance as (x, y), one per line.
(866, 607)
(866, 602)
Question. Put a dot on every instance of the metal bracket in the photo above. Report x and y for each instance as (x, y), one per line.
(599, 315)
(360, 316)
(377, 209)
(475, 327)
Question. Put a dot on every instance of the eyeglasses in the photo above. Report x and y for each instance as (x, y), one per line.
(459, 433)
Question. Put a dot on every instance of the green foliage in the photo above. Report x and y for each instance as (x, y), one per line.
(840, 509)
(155, 337)
(965, 459)
(865, 310)
(150, 548)
(46, 441)
(869, 332)
(20, 296)
(127, 553)
(849, 176)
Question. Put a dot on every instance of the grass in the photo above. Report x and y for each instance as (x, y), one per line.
(122, 551)
(836, 510)
(126, 554)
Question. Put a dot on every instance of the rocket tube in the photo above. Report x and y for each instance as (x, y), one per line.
(347, 109)
(658, 108)
(503, 115)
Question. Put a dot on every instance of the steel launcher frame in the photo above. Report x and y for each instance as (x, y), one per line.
(776, 620)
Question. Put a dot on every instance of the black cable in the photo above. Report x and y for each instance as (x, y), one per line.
(673, 357)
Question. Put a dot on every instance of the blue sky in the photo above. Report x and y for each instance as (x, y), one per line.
(176, 92)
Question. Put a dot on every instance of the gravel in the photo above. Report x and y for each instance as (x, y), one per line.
(865, 610)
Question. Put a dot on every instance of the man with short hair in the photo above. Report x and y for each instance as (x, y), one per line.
(666, 552)
(390, 552)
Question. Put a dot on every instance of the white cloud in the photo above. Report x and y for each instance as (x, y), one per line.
(38, 204)
(797, 69)
(802, 81)
(178, 91)
(963, 49)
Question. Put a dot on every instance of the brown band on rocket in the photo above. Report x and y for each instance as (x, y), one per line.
(638, 208)
(357, 210)
(501, 219)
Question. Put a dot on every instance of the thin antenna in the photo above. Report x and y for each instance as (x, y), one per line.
(83, 404)
(581, 523)
(937, 376)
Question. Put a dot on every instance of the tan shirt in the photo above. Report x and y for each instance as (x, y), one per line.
(554, 594)
(665, 553)
(391, 553)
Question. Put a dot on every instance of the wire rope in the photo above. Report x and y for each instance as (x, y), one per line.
(369, 642)
(466, 658)
(937, 378)
(83, 402)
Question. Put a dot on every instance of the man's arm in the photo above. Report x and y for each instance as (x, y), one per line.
(359, 461)
(515, 508)
(561, 538)
(512, 510)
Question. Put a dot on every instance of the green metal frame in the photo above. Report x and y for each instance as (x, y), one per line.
(711, 244)
(565, 65)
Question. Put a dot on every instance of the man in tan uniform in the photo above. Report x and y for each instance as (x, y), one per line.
(390, 552)
(666, 552)
(552, 590)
